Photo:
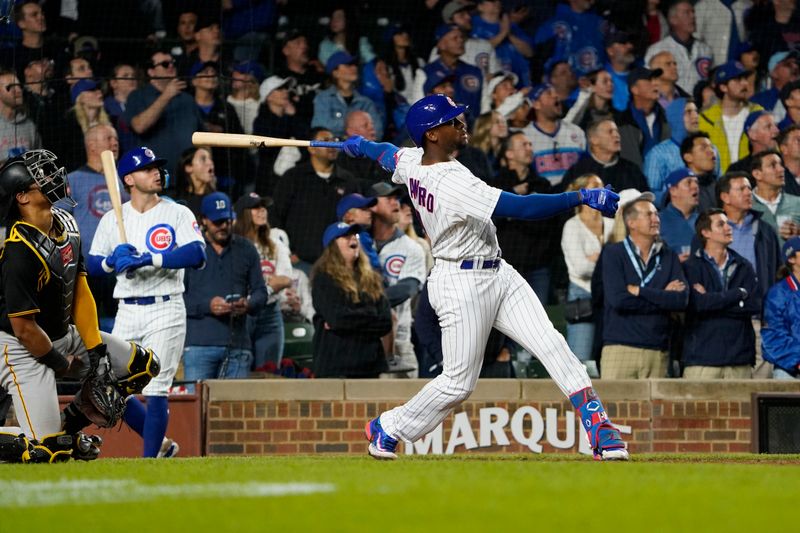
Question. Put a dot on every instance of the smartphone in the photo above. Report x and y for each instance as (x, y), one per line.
(230, 298)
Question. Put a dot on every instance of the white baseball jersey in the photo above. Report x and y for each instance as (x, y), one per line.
(280, 266)
(478, 53)
(160, 229)
(471, 292)
(691, 67)
(402, 258)
(554, 154)
(454, 206)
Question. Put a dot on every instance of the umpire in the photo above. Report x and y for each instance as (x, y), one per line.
(48, 323)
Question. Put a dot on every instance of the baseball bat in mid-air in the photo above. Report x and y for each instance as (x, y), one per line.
(239, 140)
(112, 182)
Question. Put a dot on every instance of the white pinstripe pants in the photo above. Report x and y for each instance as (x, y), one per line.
(469, 303)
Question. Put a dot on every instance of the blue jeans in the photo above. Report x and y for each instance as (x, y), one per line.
(266, 329)
(215, 362)
(539, 280)
(581, 335)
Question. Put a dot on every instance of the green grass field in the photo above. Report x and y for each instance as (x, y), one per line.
(453, 493)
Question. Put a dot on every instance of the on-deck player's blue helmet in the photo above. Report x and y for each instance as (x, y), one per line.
(137, 159)
(429, 112)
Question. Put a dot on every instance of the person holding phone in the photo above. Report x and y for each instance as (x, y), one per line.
(219, 298)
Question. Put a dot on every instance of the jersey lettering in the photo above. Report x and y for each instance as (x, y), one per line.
(425, 199)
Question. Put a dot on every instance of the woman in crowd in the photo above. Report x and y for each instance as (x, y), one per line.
(488, 133)
(594, 102)
(266, 328)
(581, 241)
(196, 177)
(343, 35)
(404, 65)
(780, 333)
(352, 312)
(86, 112)
(245, 80)
(122, 83)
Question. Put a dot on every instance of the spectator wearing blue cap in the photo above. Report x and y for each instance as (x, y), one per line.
(780, 334)
(161, 113)
(719, 339)
(356, 209)
(332, 105)
(343, 36)
(87, 111)
(724, 121)
(762, 134)
(478, 50)
(783, 69)
(680, 214)
(619, 49)
(352, 312)
(694, 57)
(219, 298)
(643, 125)
(468, 83)
(780, 210)
(577, 32)
(220, 117)
(246, 78)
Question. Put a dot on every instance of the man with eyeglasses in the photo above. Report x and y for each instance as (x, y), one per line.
(753, 239)
(18, 133)
(219, 298)
(161, 113)
(306, 197)
(163, 240)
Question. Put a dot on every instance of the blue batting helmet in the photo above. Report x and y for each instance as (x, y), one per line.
(429, 112)
(137, 159)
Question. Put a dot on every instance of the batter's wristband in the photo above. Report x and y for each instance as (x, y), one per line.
(55, 360)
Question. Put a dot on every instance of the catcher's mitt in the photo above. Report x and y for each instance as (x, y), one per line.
(100, 400)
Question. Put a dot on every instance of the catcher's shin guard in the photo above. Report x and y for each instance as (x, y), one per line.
(14, 448)
(142, 367)
(54, 448)
(87, 447)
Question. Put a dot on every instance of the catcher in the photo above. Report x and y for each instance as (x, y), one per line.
(48, 324)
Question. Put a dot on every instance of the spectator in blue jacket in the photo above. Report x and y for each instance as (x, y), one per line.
(219, 297)
(719, 340)
(577, 32)
(332, 105)
(643, 283)
(753, 239)
(780, 333)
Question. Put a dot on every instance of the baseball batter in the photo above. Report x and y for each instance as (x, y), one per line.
(471, 288)
(48, 322)
(164, 238)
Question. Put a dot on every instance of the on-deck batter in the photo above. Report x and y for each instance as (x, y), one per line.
(471, 288)
(163, 239)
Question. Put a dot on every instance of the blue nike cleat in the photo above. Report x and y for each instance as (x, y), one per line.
(381, 445)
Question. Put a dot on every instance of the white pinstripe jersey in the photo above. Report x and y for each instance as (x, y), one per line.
(403, 258)
(454, 206)
(160, 229)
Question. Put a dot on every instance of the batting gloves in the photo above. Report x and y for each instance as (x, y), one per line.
(133, 262)
(604, 200)
(353, 147)
(120, 252)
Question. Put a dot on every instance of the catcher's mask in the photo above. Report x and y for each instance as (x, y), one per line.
(34, 166)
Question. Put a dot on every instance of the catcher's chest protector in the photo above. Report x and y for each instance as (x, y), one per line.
(60, 255)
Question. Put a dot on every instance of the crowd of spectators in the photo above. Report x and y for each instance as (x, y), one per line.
(691, 108)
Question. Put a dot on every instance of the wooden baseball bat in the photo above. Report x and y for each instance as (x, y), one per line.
(112, 182)
(238, 140)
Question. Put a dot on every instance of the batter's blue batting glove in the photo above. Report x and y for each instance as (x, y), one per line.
(604, 200)
(133, 262)
(352, 146)
(122, 250)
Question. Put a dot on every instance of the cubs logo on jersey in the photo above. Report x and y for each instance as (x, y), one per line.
(196, 228)
(160, 238)
(393, 266)
(470, 83)
(99, 201)
(703, 66)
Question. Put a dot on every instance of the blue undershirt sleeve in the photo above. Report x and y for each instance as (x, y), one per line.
(383, 153)
(188, 255)
(535, 206)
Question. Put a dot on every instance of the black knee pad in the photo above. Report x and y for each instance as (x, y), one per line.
(142, 367)
(54, 448)
(14, 448)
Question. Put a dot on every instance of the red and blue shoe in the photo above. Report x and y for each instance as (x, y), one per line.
(381, 445)
(604, 438)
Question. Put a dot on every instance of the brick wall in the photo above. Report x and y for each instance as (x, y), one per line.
(328, 416)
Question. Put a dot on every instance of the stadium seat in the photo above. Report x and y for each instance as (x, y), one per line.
(297, 339)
